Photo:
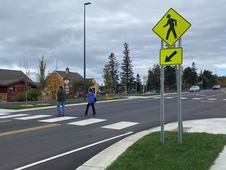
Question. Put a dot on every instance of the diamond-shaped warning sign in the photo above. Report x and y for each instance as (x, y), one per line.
(171, 27)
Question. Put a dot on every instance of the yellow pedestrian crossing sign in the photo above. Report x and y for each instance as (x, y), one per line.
(171, 27)
(171, 56)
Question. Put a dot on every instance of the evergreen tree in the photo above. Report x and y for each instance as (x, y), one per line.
(113, 69)
(138, 83)
(108, 81)
(42, 76)
(190, 75)
(208, 79)
(170, 77)
(154, 78)
(127, 69)
(194, 73)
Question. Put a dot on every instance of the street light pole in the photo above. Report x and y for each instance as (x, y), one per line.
(87, 3)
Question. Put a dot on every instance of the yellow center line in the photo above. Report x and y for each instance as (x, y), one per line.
(3, 121)
(28, 129)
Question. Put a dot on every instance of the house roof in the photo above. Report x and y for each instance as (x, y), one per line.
(9, 76)
(71, 76)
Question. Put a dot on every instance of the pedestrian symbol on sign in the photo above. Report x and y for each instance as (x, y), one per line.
(171, 27)
(172, 23)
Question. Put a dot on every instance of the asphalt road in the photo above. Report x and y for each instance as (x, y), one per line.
(47, 142)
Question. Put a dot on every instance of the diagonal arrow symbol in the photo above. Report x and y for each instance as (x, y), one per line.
(168, 59)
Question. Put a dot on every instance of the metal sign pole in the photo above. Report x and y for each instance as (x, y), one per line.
(162, 99)
(180, 124)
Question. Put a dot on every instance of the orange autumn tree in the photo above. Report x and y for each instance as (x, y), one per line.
(54, 81)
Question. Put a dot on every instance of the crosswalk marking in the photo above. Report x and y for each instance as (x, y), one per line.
(120, 125)
(169, 97)
(157, 97)
(212, 99)
(57, 119)
(206, 101)
(12, 116)
(196, 98)
(2, 114)
(33, 117)
(87, 122)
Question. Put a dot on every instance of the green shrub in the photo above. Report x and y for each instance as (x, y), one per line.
(33, 95)
(20, 97)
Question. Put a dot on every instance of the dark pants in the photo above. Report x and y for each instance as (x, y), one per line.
(87, 108)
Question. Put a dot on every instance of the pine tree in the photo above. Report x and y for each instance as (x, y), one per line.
(138, 83)
(107, 77)
(42, 76)
(127, 69)
(114, 73)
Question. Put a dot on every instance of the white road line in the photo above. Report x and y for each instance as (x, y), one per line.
(211, 99)
(169, 97)
(33, 117)
(2, 114)
(12, 116)
(58, 119)
(196, 98)
(206, 101)
(87, 122)
(120, 125)
(183, 98)
(72, 151)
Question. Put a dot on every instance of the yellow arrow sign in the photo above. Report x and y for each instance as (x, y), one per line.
(171, 27)
(171, 56)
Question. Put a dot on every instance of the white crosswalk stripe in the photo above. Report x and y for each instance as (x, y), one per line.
(87, 122)
(120, 125)
(169, 97)
(2, 114)
(211, 99)
(196, 98)
(57, 119)
(12, 116)
(206, 101)
(32, 117)
(157, 97)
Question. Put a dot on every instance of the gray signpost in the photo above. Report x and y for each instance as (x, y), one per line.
(162, 99)
(177, 26)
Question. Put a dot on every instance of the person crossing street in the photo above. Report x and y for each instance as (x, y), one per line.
(61, 98)
(91, 101)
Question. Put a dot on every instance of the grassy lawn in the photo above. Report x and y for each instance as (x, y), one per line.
(197, 152)
(29, 104)
(22, 105)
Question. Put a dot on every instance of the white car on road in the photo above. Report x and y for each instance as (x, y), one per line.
(194, 89)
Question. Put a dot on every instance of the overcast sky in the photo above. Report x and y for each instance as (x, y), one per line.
(54, 28)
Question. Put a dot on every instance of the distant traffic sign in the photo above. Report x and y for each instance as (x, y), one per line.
(171, 56)
(171, 27)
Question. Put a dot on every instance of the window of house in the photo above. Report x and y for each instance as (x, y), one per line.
(13, 89)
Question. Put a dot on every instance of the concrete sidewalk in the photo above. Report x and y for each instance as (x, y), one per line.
(110, 154)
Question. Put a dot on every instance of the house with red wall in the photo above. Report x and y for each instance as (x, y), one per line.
(13, 82)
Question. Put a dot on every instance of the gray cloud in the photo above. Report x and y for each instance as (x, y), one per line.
(30, 29)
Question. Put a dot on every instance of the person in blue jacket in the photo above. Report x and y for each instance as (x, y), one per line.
(91, 101)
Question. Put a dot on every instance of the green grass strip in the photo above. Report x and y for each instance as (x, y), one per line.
(198, 151)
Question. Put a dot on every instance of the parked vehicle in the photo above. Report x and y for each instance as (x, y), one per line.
(216, 87)
(151, 92)
(194, 89)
